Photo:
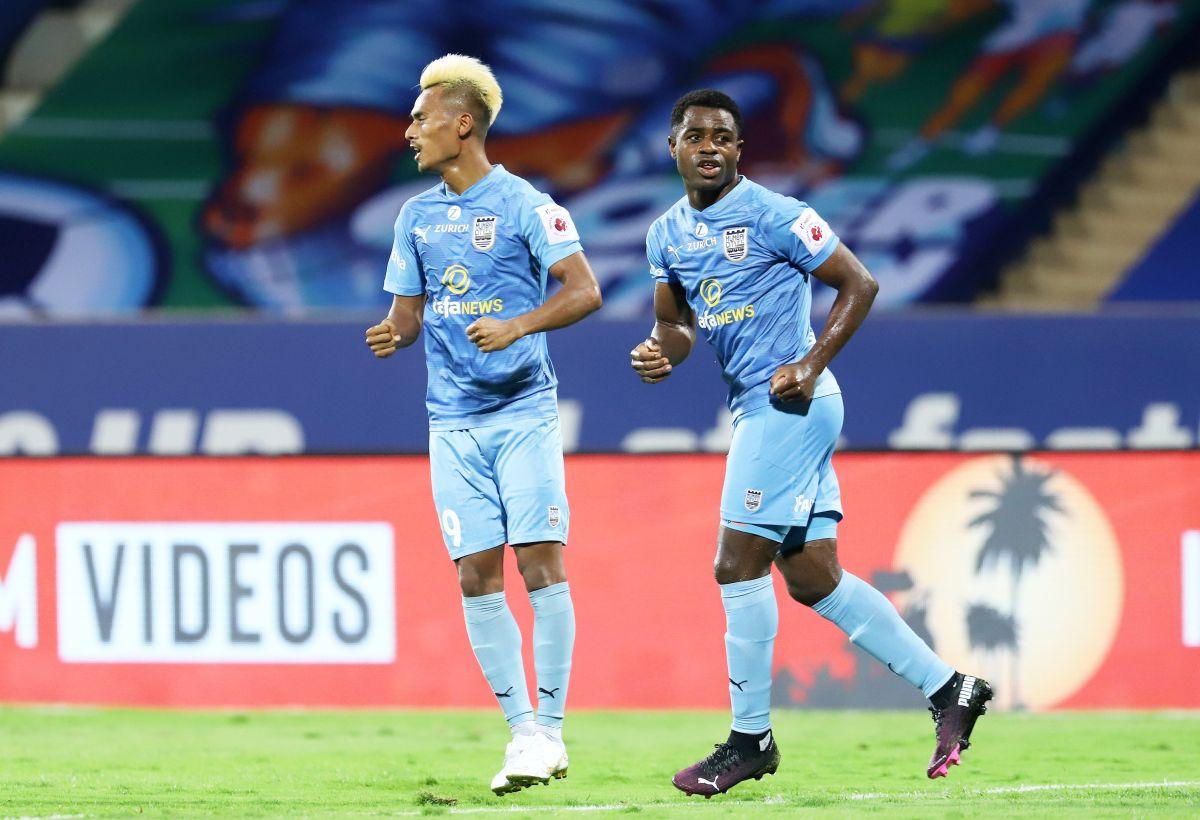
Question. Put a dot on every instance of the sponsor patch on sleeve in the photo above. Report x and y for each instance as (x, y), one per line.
(557, 224)
(813, 230)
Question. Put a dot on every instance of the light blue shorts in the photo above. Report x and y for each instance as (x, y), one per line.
(498, 485)
(779, 479)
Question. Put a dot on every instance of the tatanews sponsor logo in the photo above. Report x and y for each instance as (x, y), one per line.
(711, 321)
(452, 307)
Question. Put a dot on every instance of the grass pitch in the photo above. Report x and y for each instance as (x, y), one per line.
(93, 762)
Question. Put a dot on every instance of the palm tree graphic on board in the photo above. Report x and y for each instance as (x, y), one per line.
(991, 631)
(1019, 536)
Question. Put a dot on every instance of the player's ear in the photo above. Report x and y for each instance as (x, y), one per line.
(671, 145)
(466, 124)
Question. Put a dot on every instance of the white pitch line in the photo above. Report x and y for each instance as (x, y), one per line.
(781, 801)
(1038, 787)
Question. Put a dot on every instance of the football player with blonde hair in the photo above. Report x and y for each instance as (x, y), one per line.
(470, 263)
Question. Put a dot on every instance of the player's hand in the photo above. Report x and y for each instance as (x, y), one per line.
(796, 381)
(649, 363)
(490, 335)
(383, 339)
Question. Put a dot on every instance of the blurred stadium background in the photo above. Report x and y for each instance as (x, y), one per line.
(196, 202)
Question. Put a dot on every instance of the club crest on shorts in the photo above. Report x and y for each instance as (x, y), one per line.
(554, 517)
(736, 244)
(483, 237)
(753, 499)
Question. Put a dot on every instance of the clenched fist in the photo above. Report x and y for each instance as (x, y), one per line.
(490, 335)
(383, 339)
(796, 381)
(649, 363)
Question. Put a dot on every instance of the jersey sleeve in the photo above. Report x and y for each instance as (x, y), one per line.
(656, 256)
(799, 234)
(404, 276)
(548, 230)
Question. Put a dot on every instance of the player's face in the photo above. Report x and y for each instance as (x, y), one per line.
(706, 148)
(434, 132)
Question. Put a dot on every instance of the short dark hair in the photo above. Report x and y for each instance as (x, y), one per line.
(706, 98)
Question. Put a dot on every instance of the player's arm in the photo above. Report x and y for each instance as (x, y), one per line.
(401, 327)
(578, 297)
(856, 290)
(672, 338)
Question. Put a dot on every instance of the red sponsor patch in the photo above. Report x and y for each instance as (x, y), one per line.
(815, 232)
(560, 225)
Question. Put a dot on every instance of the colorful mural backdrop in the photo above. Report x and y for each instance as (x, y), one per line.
(220, 152)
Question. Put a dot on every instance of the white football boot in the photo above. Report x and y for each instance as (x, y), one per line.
(540, 760)
(502, 783)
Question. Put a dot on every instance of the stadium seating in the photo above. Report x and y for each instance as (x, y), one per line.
(1135, 208)
(1168, 271)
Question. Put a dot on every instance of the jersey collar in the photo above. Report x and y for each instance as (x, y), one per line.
(483, 184)
(723, 204)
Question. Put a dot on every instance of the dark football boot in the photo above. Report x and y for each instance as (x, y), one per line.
(726, 767)
(953, 724)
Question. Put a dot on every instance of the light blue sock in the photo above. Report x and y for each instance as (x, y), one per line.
(751, 621)
(496, 639)
(873, 624)
(553, 641)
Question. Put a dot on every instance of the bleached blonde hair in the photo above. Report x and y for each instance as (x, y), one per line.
(458, 70)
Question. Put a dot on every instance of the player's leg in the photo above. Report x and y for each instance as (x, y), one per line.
(471, 518)
(743, 571)
(815, 579)
(528, 462)
(545, 576)
(808, 561)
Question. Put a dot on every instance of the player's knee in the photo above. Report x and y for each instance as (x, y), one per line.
(541, 575)
(729, 569)
(815, 586)
(475, 580)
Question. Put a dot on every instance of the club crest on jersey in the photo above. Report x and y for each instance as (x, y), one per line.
(753, 499)
(554, 517)
(483, 237)
(736, 244)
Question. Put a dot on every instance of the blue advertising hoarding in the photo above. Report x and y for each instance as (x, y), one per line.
(929, 381)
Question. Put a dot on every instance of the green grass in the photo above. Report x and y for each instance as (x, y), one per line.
(97, 762)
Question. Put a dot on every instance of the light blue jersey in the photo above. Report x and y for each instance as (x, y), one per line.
(485, 252)
(744, 263)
